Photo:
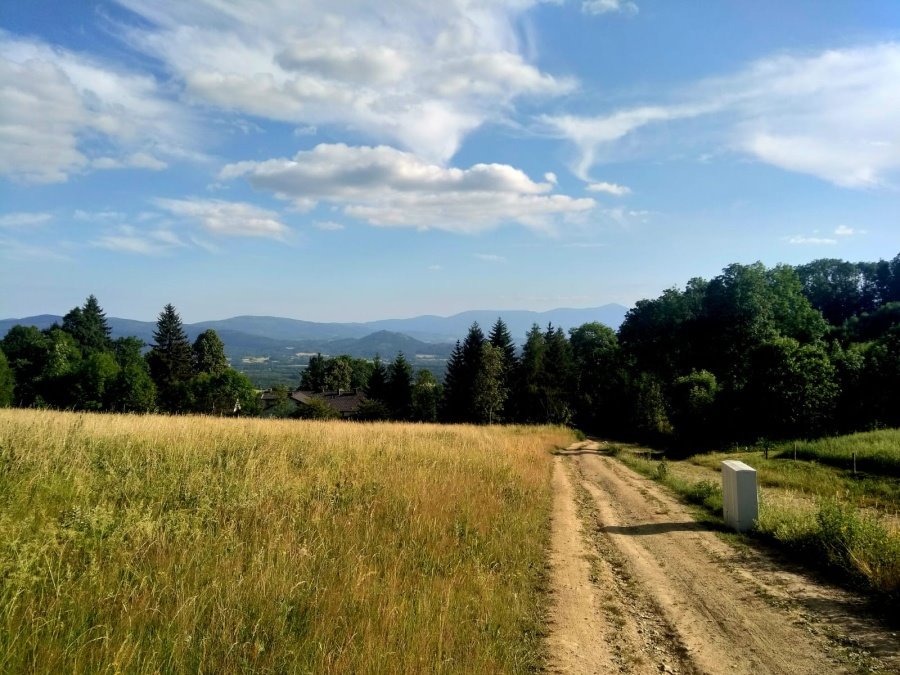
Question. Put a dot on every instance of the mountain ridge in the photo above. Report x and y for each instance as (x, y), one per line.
(425, 328)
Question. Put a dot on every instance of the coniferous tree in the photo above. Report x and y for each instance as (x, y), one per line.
(88, 325)
(453, 400)
(209, 354)
(529, 404)
(557, 375)
(170, 360)
(500, 338)
(376, 388)
(472, 361)
(399, 388)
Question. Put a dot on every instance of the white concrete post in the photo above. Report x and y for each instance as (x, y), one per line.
(739, 496)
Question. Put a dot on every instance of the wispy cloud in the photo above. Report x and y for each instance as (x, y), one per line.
(831, 115)
(72, 113)
(844, 231)
(236, 219)
(609, 7)
(490, 257)
(328, 225)
(24, 219)
(609, 188)
(811, 241)
(129, 239)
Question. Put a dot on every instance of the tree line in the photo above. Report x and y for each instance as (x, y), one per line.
(752, 353)
(78, 366)
(755, 352)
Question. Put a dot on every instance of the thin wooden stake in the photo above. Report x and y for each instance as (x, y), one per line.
(854, 463)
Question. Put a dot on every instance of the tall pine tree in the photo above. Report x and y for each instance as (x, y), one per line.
(399, 388)
(170, 361)
(89, 327)
(500, 338)
(453, 402)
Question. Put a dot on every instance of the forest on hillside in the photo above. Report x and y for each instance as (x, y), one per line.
(756, 352)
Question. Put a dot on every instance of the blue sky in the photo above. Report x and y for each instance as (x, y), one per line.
(352, 160)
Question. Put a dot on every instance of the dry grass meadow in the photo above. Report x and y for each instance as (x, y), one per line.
(190, 544)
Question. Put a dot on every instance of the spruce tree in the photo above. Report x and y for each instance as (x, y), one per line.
(376, 389)
(452, 404)
(529, 404)
(399, 388)
(500, 338)
(89, 327)
(170, 361)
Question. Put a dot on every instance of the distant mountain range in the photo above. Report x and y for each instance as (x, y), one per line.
(433, 335)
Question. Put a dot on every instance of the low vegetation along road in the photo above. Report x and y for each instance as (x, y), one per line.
(639, 586)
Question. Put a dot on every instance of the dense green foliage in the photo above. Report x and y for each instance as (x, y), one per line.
(77, 366)
(755, 352)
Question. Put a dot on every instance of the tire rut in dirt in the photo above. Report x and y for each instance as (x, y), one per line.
(720, 621)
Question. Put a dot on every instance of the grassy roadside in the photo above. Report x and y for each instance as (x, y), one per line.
(148, 544)
(859, 547)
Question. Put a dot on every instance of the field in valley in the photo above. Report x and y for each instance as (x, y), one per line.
(147, 544)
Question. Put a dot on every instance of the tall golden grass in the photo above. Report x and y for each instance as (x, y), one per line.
(190, 544)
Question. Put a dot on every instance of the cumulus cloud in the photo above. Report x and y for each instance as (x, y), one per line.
(60, 108)
(417, 75)
(609, 188)
(24, 219)
(237, 219)
(388, 187)
(831, 115)
(844, 231)
(608, 7)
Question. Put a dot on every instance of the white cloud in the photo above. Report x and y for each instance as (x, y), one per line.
(387, 187)
(551, 178)
(24, 219)
(12, 249)
(831, 115)
(490, 257)
(844, 231)
(94, 216)
(435, 268)
(137, 160)
(328, 225)
(420, 75)
(237, 219)
(128, 239)
(609, 188)
(608, 7)
(60, 108)
(812, 241)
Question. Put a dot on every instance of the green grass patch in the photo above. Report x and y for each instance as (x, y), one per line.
(822, 481)
(877, 452)
(854, 546)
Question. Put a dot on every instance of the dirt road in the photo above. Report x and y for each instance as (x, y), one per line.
(639, 586)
